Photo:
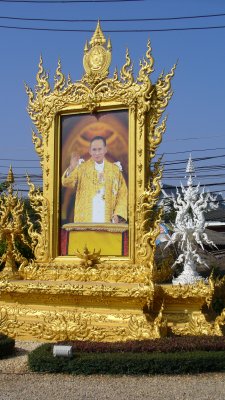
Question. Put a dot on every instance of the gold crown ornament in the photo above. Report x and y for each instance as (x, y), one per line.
(97, 56)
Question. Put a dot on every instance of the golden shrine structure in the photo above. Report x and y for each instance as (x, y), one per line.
(90, 294)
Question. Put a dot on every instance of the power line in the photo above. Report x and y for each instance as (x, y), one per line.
(25, 159)
(114, 30)
(211, 184)
(113, 20)
(68, 1)
(198, 167)
(199, 177)
(20, 167)
(169, 173)
(18, 159)
(184, 161)
(201, 172)
(193, 138)
(164, 154)
(212, 192)
(165, 163)
(191, 151)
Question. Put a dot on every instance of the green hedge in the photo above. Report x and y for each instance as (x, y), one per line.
(42, 360)
(7, 345)
(162, 345)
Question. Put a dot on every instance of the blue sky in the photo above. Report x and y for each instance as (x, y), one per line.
(196, 114)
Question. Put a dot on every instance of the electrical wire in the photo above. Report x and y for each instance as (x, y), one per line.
(114, 30)
(194, 138)
(174, 171)
(190, 151)
(17, 159)
(19, 167)
(68, 1)
(166, 162)
(114, 20)
(162, 154)
(195, 159)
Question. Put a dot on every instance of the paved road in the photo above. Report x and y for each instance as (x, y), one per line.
(54, 387)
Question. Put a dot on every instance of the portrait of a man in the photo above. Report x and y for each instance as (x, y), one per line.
(94, 179)
(101, 191)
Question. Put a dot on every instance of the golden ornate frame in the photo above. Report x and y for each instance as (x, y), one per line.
(95, 92)
(87, 296)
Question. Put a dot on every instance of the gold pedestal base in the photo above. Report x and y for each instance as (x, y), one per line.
(109, 238)
(55, 311)
(183, 306)
(103, 311)
(109, 244)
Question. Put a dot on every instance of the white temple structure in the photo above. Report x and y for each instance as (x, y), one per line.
(189, 227)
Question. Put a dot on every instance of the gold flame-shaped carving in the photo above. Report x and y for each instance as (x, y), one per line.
(97, 56)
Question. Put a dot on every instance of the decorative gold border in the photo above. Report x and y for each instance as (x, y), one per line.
(90, 297)
(145, 102)
(96, 227)
(55, 185)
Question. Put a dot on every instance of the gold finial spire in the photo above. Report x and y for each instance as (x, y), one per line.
(10, 177)
(97, 56)
(98, 37)
(109, 45)
(86, 47)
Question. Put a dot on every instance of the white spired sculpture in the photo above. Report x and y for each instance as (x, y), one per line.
(189, 227)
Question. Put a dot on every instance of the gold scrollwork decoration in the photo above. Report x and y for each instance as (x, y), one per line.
(12, 231)
(148, 218)
(44, 104)
(39, 236)
(89, 259)
(105, 271)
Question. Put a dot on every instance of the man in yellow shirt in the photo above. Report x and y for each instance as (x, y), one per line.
(101, 191)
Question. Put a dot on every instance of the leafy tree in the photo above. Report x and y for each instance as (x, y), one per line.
(3, 186)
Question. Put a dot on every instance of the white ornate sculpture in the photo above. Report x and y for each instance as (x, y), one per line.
(189, 227)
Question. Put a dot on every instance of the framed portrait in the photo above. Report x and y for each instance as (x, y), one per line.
(96, 138)
(94, 184)
(97, 211)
